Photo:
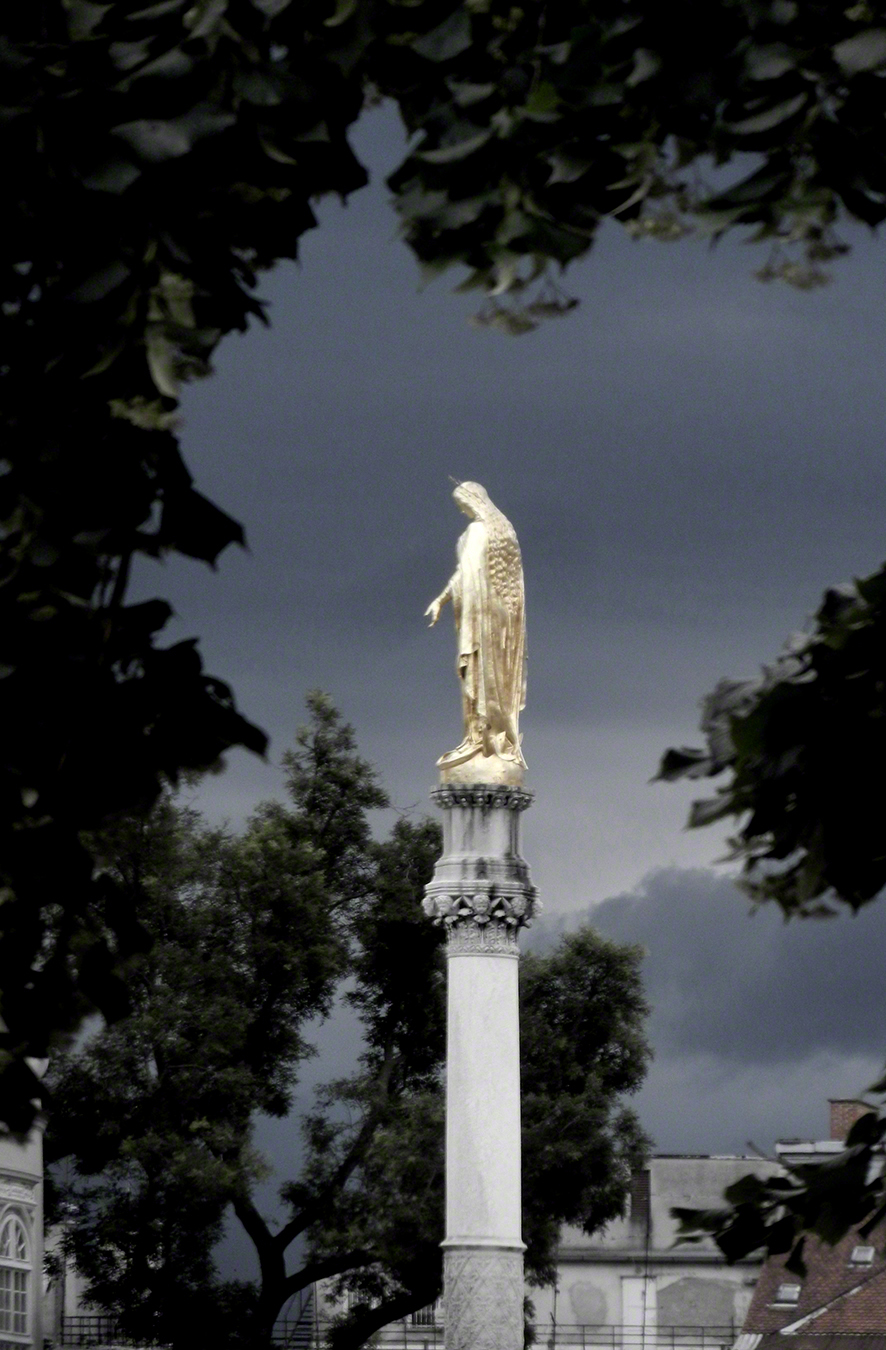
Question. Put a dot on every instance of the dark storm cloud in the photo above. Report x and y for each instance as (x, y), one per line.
(689, 459)
(669, 454)
(699, 1104)
(750, 988)
(755, 1023)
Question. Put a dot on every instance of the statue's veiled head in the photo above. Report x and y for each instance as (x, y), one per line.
(472, 499)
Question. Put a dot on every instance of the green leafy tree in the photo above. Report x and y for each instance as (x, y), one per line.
(583, 1048)
(252, 935)
(802, 747)
(250, 938)
(156, 159)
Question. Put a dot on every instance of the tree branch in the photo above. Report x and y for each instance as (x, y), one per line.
(270, 1257)
(357, 1329)
(329, 1265)
(354, 1156)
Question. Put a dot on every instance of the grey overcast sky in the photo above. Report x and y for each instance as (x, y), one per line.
(689, 459)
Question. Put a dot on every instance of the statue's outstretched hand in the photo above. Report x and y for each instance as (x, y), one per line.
(433, 610)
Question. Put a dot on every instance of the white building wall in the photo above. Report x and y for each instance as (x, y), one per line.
(631, 1274)
(21, 1199)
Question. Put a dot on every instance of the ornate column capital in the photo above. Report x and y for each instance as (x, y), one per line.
(487, 920)
(481, 891)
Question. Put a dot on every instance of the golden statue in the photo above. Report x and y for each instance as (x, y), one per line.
(486, 590)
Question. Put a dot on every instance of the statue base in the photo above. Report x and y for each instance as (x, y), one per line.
(482, 769)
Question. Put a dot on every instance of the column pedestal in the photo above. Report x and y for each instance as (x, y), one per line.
(482, 893)
(483, 1298)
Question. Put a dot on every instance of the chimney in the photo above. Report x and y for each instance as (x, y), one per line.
(845, 1111)
(640, 1210)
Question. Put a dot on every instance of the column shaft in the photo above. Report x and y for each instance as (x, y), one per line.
(482, 1099)
(481, 891)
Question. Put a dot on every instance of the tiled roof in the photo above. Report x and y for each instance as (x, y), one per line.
(836, 1295)
(775, 1341)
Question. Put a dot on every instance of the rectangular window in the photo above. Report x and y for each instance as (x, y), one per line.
(862, 1256)
(13, 1301)
(788, 1293)
(20, 1302)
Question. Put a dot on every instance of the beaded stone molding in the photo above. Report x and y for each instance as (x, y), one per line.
(486, 796)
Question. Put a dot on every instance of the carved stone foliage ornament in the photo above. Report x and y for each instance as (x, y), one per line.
(493, 939)
(492, 907)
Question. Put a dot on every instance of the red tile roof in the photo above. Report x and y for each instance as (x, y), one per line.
(775, 1341)
(837, 1296)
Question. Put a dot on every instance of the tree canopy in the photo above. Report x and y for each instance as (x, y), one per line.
(252, 935)
(804, 746)
(157, 157)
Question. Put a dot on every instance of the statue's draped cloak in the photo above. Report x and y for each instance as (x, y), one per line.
(491, 645)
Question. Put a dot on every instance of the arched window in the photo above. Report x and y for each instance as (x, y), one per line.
(15, 1275)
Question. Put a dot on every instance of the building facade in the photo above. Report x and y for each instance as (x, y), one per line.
(21, 1242)
(630, 1285)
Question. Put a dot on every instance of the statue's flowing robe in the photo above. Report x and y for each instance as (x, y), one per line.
(490, 627)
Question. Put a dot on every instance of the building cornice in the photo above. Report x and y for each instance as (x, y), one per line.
(639, 1256)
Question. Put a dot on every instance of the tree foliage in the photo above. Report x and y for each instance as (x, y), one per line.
(156, 158)
(249, 939)
(546, 119)
(252, 935)
(803, 747)
(824, 1199)
(583, 1048)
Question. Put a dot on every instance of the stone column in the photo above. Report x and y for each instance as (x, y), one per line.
(482, 893)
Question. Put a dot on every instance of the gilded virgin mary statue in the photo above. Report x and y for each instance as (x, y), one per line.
(486, 590)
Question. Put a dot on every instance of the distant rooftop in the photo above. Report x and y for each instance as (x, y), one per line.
(809, 1146)
(717, 1157)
